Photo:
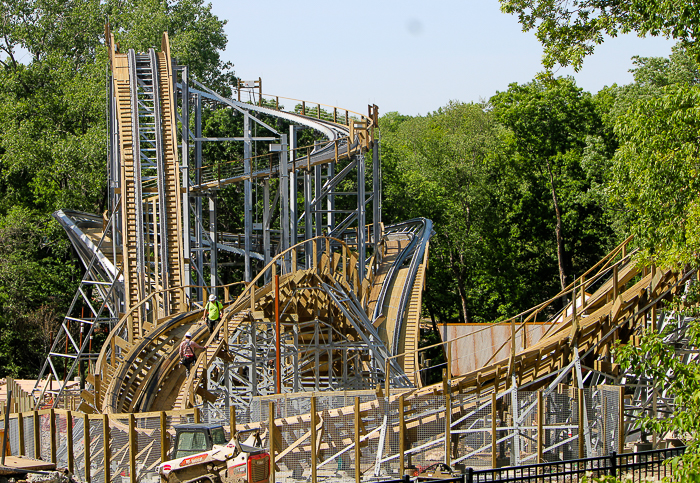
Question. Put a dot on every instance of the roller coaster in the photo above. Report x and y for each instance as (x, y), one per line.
(335, 302)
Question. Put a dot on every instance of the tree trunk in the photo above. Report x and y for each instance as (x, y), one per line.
(463, 299)
(559, 232)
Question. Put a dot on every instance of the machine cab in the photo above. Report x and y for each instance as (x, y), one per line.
(197, 438)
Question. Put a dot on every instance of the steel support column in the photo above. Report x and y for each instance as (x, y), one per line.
(213, 236)
(284, 194)
(361, 249)
(185, 167)
(199, 234)
(293, 187)
(248, 196)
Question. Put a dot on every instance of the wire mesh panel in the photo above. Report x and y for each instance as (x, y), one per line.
(12, 434)
(295, 439)
(336, 435)
(471, 431)
(426, 429)
(61, 440)
(97, 454)
(525, 428)
(373, 428)
(610, 416)
(77, 444)
(45, 435)
(505, 433)
(560, 426)
(119, 448)
(148, 452)
(28, 422)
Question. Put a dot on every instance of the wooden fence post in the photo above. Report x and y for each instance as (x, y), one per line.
(132, 448)
(621, 421)
(37, 436)
(448, 417)
(358, 456)
(52, 426)
(163, 437)
(540, 427)
(581, 437)
(86, 441)
(20, 429)
(402, 437)
(106, 449)
(271, 431)
(494, 431)
(314, 456)
(197, 416)
(69, 441)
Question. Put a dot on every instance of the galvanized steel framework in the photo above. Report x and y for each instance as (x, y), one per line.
(163, 232)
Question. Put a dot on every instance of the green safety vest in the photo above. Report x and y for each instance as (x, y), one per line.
(214, 309)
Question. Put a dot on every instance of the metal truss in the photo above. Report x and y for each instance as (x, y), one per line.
(315, 354)
(94, 306)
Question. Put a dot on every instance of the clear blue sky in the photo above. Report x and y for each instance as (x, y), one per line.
(407, 56)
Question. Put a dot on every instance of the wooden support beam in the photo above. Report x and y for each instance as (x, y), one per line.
(86, 448)
(358, 456)
(106, 436)
(69, 441)
(133, 447)
(540, 427)
(314, 455)
(37, 436)
(52, 429)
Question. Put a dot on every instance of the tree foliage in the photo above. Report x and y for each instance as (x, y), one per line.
(551, 124)
(485, 185)
(53, 139)
(570, 30)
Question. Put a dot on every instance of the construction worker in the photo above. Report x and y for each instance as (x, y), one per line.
(212, 312)
(187, 347)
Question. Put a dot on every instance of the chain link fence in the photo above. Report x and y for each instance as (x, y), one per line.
(315, 434)
(76, 441)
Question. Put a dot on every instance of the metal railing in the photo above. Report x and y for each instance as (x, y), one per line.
(632, 467)
(641, 466)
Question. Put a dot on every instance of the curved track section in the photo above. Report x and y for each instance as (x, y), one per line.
(326, 302)
(396, 297)
(617, 305)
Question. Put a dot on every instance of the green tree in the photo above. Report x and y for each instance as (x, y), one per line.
(53, 139)
(569, 31)
(551, 123)
(450, 167)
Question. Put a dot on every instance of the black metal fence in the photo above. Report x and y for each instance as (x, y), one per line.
(630, 467)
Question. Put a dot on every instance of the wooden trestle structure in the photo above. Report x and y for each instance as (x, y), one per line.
(336, 306)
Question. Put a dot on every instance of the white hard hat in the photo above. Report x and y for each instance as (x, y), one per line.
(188, 335)
(212, 297)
